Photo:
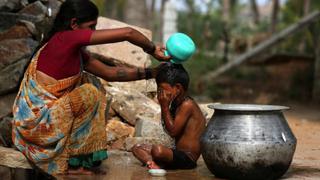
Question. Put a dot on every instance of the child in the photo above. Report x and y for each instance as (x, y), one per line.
(183, 120)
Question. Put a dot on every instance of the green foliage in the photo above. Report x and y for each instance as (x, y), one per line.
(292, 12)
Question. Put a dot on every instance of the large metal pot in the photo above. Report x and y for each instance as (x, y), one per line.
(244, 141)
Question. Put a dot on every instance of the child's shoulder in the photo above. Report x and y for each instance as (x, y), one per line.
(188, 102)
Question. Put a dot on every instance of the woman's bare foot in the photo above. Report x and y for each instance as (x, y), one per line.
(80, 171)
(98, 170)
(152, 165)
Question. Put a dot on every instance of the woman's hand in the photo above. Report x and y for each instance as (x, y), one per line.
(159, 53)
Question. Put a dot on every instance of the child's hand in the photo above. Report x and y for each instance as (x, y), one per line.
(165, 97)
(152, 165)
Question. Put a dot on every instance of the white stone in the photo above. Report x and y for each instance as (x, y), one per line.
(122, 52)
(131, 105)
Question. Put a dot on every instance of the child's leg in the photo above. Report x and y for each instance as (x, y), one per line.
(161, 154)
(142, 152)
(149, 155)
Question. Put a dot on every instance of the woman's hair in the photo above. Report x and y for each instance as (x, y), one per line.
(173, 74)
(82, 10)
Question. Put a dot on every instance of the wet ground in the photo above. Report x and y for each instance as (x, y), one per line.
(303, 120)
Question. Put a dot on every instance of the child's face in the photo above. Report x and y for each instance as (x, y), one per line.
(171, 92)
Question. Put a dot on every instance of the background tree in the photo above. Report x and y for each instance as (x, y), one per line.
(255, 12)
(274, 15)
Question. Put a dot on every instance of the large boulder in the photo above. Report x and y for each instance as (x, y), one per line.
(8, 19)
(148, 128)
(14, 57)
(117, 132)
(36, 9)
(23, 29)
(12, 50)
(131, 141)
(131, 105)
(145, 87)
(10, 76)
(122, 53)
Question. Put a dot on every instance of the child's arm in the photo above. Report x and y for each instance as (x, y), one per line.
(174, 126)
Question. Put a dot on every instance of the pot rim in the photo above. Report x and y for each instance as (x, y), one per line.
(247, 107)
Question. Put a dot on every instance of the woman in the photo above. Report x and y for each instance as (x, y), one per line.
(59, 116)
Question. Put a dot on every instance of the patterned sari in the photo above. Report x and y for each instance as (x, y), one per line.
(53, 123)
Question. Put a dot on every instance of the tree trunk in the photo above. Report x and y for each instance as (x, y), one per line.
(306, 9)
(226, 11)
(274, 15)
(316, 77)
(115, 9)
(226, 40)
(161, 18)
(255, 12)
(135, 13)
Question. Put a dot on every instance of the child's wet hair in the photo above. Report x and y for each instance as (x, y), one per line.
(173, 74)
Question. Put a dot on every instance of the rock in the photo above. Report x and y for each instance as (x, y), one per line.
(5, 131)
(131, 141)
(131, 105)
(120, 158)
(6, 102)
(143, 86)
(152, 129)
(11, 5)
(36, 9)
(53, 5)
(117, 132)
(29, 25)
(8, 20)
(10, 76)
(12, 50)
(111, 113)
(123, 53)
(12, 158)
(23, 29)
(207, 112)
(117, 129)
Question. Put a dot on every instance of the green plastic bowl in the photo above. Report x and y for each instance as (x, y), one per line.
(180, 47)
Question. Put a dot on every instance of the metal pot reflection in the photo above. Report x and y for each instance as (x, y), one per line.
(246, 141)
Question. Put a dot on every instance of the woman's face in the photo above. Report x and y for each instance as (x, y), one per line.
(88, 25)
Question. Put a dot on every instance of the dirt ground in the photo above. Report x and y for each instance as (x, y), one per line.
(304, 121)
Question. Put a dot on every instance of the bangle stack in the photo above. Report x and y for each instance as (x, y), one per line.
(148, 73)
(140, 73)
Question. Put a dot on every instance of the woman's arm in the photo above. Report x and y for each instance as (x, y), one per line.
(110, 73)
(131, 35)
